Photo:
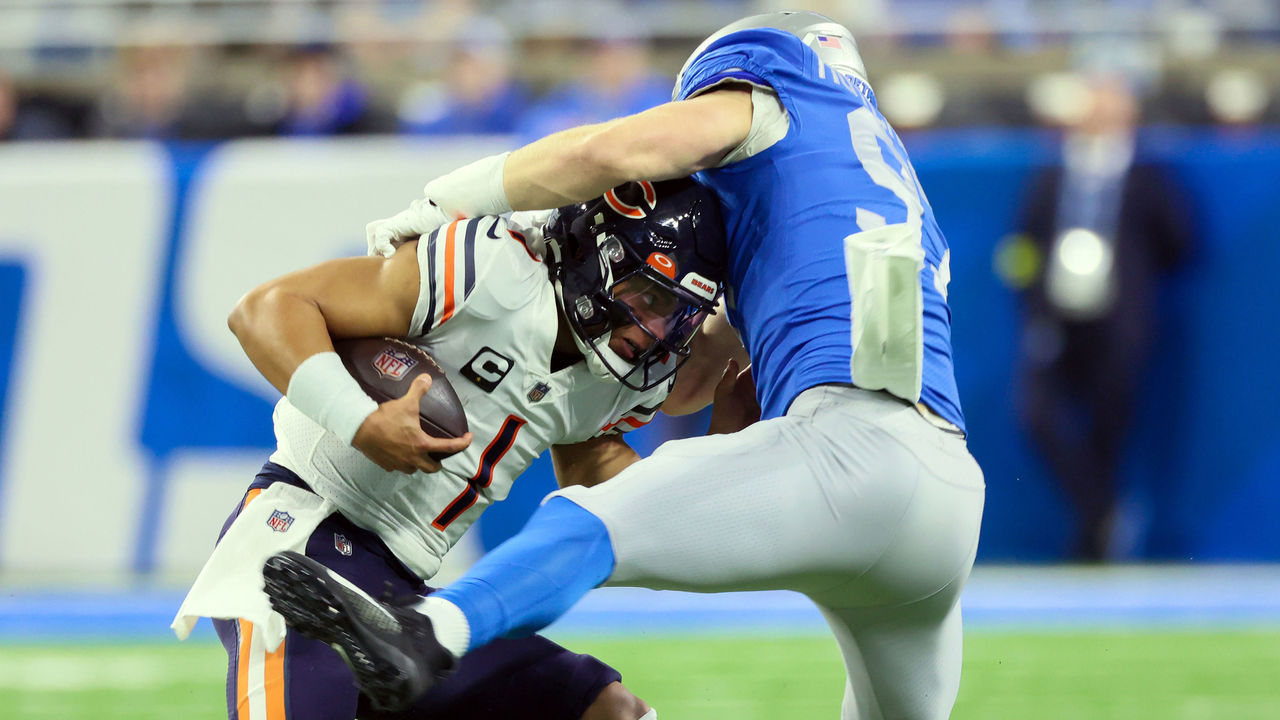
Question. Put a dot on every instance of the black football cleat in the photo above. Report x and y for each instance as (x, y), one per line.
(392, 650)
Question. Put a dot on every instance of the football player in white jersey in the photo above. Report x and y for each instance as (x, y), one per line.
(563, 335)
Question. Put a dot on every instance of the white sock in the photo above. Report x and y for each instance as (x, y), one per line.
(651, 715)
(450, 625)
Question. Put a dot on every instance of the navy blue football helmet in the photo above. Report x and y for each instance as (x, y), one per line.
(649, 254)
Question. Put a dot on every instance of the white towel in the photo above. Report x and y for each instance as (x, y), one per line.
(230, 585)
(883, 266)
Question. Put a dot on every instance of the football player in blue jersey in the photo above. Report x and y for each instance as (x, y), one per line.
(856, 488)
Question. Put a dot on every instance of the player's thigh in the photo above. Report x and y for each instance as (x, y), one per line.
(763, 508)
(303, 679)
(530, 678)
(906, 659)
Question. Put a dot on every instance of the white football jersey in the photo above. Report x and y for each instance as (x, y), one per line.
(487, 309)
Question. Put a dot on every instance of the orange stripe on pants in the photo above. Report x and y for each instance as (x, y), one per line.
(274, 684)
(266, 675)
(242, 670)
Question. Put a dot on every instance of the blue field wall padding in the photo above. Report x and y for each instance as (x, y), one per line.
(13, 278)
(187, 406)
(1201, 469)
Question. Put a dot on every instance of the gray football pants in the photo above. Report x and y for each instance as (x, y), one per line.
(853, 499)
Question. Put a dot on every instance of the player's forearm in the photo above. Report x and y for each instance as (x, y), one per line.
(591, 474)
(672, 140)
(559, 170)
(611, 466)
(581, 164)
(279, 329)
(591, 462)
(553, 172)
(668, 141)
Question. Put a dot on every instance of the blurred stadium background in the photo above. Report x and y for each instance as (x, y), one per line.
(162, 157)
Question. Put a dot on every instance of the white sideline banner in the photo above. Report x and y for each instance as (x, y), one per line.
(93, 229)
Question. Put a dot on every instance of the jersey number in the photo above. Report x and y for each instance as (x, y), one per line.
(867, 131)
(501, 443)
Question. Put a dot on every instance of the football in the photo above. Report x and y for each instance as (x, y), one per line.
(385, 367)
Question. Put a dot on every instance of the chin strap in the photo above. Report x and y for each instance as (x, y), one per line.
(598, 365)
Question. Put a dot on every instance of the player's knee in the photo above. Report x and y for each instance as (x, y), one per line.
(616, 702)
(566, 523)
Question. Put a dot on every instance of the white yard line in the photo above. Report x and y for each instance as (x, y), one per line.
(57, 669)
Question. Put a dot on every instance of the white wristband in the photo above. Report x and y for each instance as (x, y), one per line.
(324, 391)
(472, 190)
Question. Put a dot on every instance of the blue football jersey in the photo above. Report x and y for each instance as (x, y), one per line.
(839, 170)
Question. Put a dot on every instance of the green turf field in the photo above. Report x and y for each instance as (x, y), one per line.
(1177, 675)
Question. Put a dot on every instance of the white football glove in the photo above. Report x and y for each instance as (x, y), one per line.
(470, 191)
(387, 234)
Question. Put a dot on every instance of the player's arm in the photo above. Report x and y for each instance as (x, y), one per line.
(593, 461)
(671, 140)
(284, 321)
(287, 325)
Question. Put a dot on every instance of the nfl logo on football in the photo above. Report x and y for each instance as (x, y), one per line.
(393, 364)
(280, 520)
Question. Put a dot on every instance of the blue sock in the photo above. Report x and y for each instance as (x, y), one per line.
(527, 582)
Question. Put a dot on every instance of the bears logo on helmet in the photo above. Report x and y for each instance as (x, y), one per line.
(647, 202)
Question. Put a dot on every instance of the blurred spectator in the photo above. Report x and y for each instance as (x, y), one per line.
(987, 97)
(323, 98)
(393, 42)
(971, 82)
(476, 93)
(153, 98)
(28, 118)
(1098, 232)
(618, 80)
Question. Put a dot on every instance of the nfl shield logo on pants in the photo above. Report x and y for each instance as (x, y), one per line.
(280, 521)
(342, 544)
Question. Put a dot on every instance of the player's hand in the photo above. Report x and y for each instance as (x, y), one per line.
(735, 401)
(421, 217)
(393, 438)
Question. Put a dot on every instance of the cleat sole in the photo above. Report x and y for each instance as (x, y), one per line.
(312, 606)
